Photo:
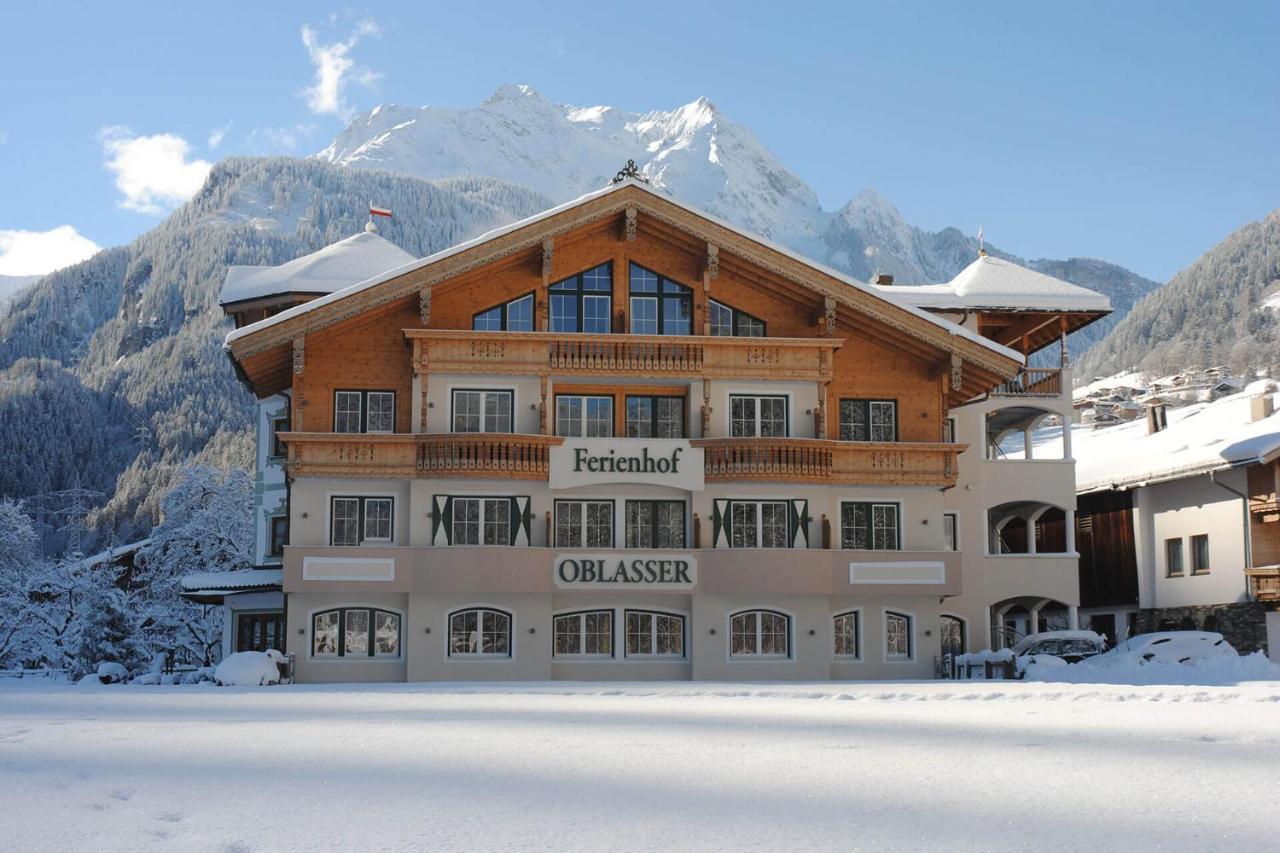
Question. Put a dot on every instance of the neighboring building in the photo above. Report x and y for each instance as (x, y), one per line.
(622, 439)
(253, 604)
(1178, 525)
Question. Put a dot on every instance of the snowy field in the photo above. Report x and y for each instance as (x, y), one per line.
(891, 766)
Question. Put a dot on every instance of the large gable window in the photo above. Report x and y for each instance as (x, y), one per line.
(730, 322)
(659, 306)
(364, 411)
(513, 316)
(584, 302)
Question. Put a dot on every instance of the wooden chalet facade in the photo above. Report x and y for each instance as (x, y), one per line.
(622, 439)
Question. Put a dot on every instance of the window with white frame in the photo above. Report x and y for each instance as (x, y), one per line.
(360, 520)
(364, 411)
(845, 635)
(655, 524)
(758, 524)
(651, 634)
(482, 410)
(897, 636)
(579, 416)
(759, 634)
(481, 521)
(727, 322)
(757, 416)
(868, 526)
(868, 420)
(587, 634)
(355, 632)
(950, 531)
(513, 316)
(584, 524)
(479, 632)
(949, 431)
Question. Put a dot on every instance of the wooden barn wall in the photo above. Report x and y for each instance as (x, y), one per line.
(1105, 540)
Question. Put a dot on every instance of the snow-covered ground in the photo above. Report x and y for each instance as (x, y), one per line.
(901, 766)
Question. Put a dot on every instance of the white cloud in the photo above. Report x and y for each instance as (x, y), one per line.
(272, 140)
(216, 135)
(39, 252)
(152, 172)
(335, 69)
(4, 136)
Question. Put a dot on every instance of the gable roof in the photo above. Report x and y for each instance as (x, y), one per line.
(1200, 438)
(334, 268)
(994, 284)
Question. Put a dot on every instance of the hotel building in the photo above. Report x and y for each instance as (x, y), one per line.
(625, 440)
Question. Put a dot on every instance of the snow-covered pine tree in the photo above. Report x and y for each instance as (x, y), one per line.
(108, 633)
(18, 542)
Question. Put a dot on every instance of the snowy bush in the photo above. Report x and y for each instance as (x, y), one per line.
(109, 672)
(108, 633)
(249, 668)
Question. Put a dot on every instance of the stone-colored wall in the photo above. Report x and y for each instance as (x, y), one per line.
(1244, 625)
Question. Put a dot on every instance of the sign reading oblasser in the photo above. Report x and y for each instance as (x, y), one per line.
(625, 571)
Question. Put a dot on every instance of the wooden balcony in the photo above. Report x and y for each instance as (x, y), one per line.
(413, 455)
(1264, 583)
(527, 457)
(548, 353)
(804, 460)
(1032, 382)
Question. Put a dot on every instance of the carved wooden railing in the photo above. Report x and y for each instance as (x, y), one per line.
(542, 353)
(430, 455)
(821, 461)
(1264, 583)
(1033, 382)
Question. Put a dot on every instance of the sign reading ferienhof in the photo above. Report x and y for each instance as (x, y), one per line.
(657, 461)
(625, 571)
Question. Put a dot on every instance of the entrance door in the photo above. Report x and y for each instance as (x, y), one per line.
(952, 632)
(257, 632)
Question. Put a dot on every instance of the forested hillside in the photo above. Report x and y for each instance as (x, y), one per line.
(112, 372)
(1211, 313)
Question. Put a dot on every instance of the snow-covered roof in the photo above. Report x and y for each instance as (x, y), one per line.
(996, 284)
(335, 267)
(112, 554)
(240, 579)
(376, 279)
(1200, 438)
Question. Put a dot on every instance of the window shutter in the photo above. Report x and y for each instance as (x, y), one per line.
(720, 518)
(799, 523)
(521, 521)
(442, 521)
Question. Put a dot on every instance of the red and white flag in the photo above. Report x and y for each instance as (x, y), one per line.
(374, 210)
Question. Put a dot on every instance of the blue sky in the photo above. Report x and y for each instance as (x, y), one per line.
(1141, 132)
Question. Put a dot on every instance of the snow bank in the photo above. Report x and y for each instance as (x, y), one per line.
(112, 673)
(986, 656)
(1220, 671)
(249, 668)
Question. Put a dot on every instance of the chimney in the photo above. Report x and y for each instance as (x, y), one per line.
(884, 278)
(1156, 418)
(1263, 405)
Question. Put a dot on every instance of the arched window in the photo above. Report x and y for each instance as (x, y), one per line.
(897, 636)
(654, 635)
(659, 306)
(952, 630)
(846, 638)
(480, 632)
(355, 632)
(588, 634)
(760, 634)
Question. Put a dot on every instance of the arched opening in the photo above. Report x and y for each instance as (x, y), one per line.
(1030, 527)
(1013, 619)
(1026, 432)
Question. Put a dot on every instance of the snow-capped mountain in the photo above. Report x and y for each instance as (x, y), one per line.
(565, 151)
(693, 152)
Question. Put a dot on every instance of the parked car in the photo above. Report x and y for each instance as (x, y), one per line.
(1070, 646)
(1167, 647)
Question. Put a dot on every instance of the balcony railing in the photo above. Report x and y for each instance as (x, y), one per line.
(1264, 583)
(543, 353)
(1033, 382)
(820, 461)
(527, 457)
(408, 455)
